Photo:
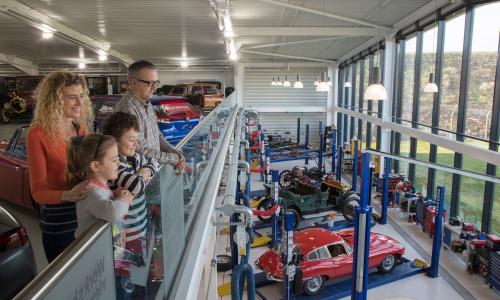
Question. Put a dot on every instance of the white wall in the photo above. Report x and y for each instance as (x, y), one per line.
(174, 77)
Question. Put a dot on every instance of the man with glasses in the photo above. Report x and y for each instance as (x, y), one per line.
(142, 82)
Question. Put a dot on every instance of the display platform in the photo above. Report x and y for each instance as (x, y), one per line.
(339, 288)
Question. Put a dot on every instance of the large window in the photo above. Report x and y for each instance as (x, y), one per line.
(444, 179)
(366, 76)
(427, 66)
(495, 218)
(452, 63)
(471, 200)
(482, 70)
(408, 79)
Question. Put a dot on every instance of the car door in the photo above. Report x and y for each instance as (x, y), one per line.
(14, 171)
(318, 263)
(341, 259)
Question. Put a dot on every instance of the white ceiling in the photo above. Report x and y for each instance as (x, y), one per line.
(163, 30)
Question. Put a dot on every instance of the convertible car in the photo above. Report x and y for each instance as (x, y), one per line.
(303, 199)
(324, 255)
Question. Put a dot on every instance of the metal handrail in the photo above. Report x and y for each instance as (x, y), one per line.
(200, 124)
(187, 268)
(39, 287)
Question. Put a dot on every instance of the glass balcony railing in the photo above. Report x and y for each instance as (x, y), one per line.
(101, 264)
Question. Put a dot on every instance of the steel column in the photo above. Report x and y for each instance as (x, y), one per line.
(307, 144)
(355, 167)
(438, 234)
(385, 190)
(275, 234)
(361, 251)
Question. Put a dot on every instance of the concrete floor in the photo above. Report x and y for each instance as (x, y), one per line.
(461, 285)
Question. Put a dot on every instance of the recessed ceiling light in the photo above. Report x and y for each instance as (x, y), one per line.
(184, 64)
(103, 56)
(46, 34)
(81, 65)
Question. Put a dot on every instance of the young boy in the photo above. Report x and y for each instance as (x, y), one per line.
(134, 172)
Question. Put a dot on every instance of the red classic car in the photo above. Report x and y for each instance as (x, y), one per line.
(14, 170)
(326, 255)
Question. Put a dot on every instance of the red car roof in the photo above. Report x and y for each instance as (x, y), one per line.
(312, 238)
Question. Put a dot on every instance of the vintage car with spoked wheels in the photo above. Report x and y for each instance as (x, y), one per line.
(302, 198)
(322, 255)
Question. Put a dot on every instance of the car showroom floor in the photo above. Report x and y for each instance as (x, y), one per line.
(459, 286)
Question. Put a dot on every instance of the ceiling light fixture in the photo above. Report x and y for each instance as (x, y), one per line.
(273, 83)
(286, 83)
(47, 34)
(184, 64)
(322, 85)
(376, 90)
(233, 56)
(228, 34)
(316, 82)
(431, 86)
(298, 84)
(279, 83)
(81, 65)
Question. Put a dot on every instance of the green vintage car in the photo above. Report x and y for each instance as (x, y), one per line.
(303, 199)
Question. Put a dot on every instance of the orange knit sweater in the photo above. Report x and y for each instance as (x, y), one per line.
(46, 162)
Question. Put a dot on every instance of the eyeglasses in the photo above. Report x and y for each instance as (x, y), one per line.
(149, 83)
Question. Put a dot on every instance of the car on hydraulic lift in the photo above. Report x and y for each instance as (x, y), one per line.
(322, 255)
(302, 199)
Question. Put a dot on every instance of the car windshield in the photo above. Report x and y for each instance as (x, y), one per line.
(210, 90)
(178, 90)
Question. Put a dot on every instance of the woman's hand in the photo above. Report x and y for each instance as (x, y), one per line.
(77, 193)
(124, 195)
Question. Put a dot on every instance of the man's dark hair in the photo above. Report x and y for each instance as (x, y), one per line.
(135, 68)
(118, 123)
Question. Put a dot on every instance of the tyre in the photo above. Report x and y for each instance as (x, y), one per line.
(349, 208)
(265, 204)
(223, 263)
(284, 179)
(387, 264)
(4, 116)
(314, 285)
(296, 213)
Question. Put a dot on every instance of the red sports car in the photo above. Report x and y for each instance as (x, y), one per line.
(327, 255)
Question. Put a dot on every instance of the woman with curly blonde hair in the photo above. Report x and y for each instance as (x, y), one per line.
(62, 111)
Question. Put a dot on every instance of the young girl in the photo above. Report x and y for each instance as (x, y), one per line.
(94, 159)
(134, 173)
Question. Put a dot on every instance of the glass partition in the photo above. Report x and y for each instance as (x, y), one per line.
(145, 269)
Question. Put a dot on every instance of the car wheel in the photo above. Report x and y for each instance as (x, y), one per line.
(297, 217)
(265, 204)
(284, 178)
(314, 285)
(387, 264)
(4, 116)
(349, 209)
(223, 263)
